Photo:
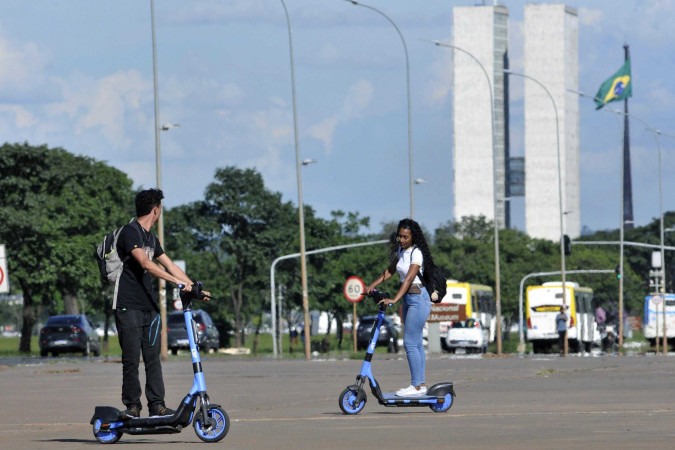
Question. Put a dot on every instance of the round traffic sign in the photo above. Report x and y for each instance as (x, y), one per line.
(354, 289)
(656, 299)
(177, 305)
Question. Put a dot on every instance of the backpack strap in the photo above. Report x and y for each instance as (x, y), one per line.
(423, 262)
(124, 260)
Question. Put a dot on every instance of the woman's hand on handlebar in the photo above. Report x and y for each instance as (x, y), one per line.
(387, 302)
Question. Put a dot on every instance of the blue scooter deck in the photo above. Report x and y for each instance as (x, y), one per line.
(391, 397)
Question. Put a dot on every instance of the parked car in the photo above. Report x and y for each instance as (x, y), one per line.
(208, 336)
(112, 330)
(67, 334)
(388, 333)
(468, 335)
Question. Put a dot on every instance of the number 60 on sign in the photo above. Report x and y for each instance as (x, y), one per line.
(353, 289)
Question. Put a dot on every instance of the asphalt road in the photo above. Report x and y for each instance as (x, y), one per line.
(502, 403)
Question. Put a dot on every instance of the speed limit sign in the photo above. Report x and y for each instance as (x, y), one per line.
(354, 289)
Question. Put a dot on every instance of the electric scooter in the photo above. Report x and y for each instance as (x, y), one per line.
(211, 423)
(352, 400)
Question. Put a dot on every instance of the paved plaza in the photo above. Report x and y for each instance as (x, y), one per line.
(502, 403)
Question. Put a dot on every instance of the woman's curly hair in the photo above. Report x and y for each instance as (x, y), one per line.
(418, 240)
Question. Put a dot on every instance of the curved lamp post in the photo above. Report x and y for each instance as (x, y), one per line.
(560, 196)
(496, 199)
(164, 349)
(301, 212)
(407, 78)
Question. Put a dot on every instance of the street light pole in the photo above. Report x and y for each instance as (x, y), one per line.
(301, 212)
(560, 189)
(655, 132)
(164, 351)
(407, 79)
(498, 302)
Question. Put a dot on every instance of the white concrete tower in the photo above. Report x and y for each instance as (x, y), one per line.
(483, 32)
(551, 57)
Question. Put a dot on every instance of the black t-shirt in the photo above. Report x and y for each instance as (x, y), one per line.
(135, 289)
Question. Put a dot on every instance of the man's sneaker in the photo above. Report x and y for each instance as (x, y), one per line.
(411, 391)
(132, 412)
(161, 410)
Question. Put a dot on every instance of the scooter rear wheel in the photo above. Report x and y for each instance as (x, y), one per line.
(347, 401)
(213, 429)
(105, 436)
(443, 407)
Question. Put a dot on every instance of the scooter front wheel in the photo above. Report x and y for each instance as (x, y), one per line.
(348, 403)
(105, 436)
(214, 427)
(443, 407)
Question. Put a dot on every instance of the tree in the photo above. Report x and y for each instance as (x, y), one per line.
(239, 229)
(55, 206)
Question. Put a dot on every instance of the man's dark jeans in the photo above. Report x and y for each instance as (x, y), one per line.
(138, 333)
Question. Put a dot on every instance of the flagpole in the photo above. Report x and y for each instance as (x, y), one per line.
(627, 220)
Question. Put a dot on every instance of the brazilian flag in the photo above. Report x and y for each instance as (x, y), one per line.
(617, 87)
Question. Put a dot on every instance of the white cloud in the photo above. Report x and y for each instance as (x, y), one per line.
(111, 104)
(323, 131)
(656, 21)
(21, 66)
(358, 97)
(440, 83)
(21, 118)
(591, 17)
(215, 11)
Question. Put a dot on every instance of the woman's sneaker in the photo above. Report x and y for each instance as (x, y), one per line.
(411, 391)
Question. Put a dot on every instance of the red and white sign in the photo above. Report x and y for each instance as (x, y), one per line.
(4, 281)
(354, 289)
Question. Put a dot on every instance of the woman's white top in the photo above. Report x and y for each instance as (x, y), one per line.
(407, 257)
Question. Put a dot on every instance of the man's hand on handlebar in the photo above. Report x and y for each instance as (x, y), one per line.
(183, 286)
(195, 291)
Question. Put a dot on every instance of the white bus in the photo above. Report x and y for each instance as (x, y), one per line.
(469, 301)
(652, 326)
(543, 302)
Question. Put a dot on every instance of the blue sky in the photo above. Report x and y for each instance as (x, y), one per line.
(78, 74)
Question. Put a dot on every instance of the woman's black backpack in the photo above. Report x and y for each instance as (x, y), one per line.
(436, 283)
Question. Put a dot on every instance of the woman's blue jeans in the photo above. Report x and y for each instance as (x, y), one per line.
(416, 309)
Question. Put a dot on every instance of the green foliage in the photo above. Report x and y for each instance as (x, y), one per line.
(54, 208)
(57, 206)
(233, 236)
(466, 250)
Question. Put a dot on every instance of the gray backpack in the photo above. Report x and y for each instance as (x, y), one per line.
(110, 265)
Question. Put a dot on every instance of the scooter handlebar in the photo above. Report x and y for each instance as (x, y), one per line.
(197, 292)
(378, 296)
